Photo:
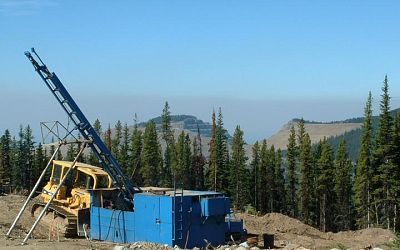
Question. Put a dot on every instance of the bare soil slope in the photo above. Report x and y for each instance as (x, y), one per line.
(9, 207)
(289, 231)
(316, 131)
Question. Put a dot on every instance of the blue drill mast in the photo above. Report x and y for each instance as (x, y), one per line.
(106, 159)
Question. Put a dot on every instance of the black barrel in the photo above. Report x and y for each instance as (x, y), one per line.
(268, 241)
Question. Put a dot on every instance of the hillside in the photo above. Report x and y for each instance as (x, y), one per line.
(353, 137)
(317, 131)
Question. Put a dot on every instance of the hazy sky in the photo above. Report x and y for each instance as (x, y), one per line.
(262, 62)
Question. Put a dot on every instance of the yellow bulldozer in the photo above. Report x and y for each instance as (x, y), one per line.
(69, 211)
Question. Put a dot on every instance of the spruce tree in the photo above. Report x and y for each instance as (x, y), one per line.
(270, 186)
(222, 155)
(187, 158)
(301, 131)
(135, 156)
(169, 165)
(325, 188)
(28, 157)
(198, 162)
(263, 193)
(124, 149)
(39, 164)
(395, 159)
(71, 152)
(107, 139)
(117, 141)
(93, 160)
(212, 162)
(255, 173)
(14, 163)
(343, 189)
(315, 209)
(280, 196)
(292, 182)
(383, 173)
(183, 169)
(306, 181)
(151, 156)
(362, 180)
(239, 183)
(5, 157)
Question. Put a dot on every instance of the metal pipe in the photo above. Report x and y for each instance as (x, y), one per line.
(33, 191)
(53, 195)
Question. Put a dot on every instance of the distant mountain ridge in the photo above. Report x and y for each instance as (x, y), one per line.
(186, 122)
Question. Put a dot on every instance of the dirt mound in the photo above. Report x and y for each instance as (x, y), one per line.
(289, 231)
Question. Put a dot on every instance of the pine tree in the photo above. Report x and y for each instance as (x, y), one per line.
(324, 187)
(169, 154)
(135, 156)
(343, 189)
(291, 157)
(238, 173)
(362, 181)
(255, 172)
(151, 156)
(306, 178)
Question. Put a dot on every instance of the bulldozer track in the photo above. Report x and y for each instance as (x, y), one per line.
(68, 227)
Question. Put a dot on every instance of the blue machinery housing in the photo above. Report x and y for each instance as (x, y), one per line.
(190, 219)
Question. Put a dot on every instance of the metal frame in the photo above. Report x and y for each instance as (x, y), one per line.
(53, 128)
(106, 159)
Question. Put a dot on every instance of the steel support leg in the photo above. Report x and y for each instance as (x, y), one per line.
(53, 195)
(33, 191)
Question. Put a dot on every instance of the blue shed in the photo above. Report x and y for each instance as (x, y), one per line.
(189, 219)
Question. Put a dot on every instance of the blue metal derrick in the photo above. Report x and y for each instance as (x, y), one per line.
(106, 159)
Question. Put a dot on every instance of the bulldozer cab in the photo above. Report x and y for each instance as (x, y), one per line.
(83, 176)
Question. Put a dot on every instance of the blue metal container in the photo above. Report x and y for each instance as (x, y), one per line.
(189, 220)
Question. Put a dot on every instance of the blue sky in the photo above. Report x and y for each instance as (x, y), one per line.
(263, 62)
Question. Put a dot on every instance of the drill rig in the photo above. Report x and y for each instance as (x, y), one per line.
(66, 195)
